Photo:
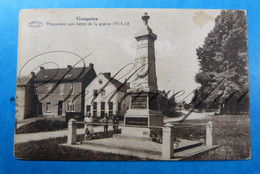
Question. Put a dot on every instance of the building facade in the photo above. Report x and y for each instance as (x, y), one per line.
(106, 95)
(62, 90)
(25, 98)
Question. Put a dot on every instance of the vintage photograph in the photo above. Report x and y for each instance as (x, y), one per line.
(132, 84)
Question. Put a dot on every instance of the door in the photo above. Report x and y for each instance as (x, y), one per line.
(40, 109)
(60, 103)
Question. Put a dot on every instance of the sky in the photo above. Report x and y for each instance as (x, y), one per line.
(111, 47)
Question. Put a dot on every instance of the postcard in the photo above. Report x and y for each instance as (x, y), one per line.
(132, 84)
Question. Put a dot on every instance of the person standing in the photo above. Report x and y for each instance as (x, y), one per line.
(105, 121)
(115, 119)
(89, 130)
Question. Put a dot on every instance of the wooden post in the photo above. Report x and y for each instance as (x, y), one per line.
(72, 127)
(209, 137)
(167, 146)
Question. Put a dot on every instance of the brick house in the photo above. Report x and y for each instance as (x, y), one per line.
(62, 90)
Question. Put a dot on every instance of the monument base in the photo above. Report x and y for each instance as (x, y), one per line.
(137, 119)
(135, 132)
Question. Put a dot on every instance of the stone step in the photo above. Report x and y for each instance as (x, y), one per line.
(134, 138)
(119, 146)
(128, 152)
(145, 156)
(140, 145)
(193, 151)
(188, 145)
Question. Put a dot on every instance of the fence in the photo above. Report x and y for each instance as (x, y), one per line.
(168, 131)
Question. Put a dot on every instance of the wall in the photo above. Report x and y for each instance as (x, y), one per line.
(55, 96)
(109, 90)
(19, 103)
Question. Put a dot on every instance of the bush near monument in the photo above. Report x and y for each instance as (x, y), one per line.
(42, 126)
(168, 105)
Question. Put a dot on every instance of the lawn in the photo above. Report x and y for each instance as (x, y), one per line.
(50, 150)
(232, 133)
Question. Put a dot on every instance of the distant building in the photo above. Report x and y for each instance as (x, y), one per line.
(102, 97)
(25, 98)
(62, 90)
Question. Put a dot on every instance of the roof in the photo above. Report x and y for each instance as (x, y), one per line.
(115, 82)
(64, 74)
(22, 81)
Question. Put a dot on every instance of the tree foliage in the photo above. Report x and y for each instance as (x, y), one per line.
(223, 73)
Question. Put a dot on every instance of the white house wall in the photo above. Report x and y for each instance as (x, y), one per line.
(109, 90)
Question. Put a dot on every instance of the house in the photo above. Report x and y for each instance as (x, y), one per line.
(62, 90)
(25, 98)
(106, 95)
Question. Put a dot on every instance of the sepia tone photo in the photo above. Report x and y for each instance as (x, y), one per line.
(132, 84)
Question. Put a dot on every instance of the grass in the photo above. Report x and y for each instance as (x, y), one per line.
(232, 133)
(50, 150)
(42, 126)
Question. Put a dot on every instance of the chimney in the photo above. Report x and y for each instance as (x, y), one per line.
(41, 68)
(33, 74)
(108, 74)
(69, 66)
(91, 65)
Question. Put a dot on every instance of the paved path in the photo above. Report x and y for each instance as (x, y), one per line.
(22, 138)
(192, 116)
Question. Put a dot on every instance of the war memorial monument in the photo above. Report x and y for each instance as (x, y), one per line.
(144, 119)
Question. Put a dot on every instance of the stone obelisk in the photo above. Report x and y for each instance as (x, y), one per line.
(144, 106)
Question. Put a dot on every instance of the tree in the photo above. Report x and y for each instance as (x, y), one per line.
(223, 73)
(167, 104)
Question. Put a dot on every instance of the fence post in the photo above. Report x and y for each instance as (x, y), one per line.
(167, 146)
(72, 127)
(209, 137)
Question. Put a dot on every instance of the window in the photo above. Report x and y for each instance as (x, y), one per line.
(49, 88)
(61, 89)
(70, 88)
(94, 109)
(100, 81)
(88, 108)
(95, 93)
(36, 90)
(103, 93)
(103, 104)
(70, 106)
(48, 107)
(110, 107)
(95, 106)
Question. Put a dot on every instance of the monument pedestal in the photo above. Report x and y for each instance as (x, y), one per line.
(143, 112)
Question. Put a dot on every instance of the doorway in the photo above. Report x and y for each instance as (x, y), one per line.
(60, 104)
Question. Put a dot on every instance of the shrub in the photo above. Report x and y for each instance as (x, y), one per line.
(42, 126)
